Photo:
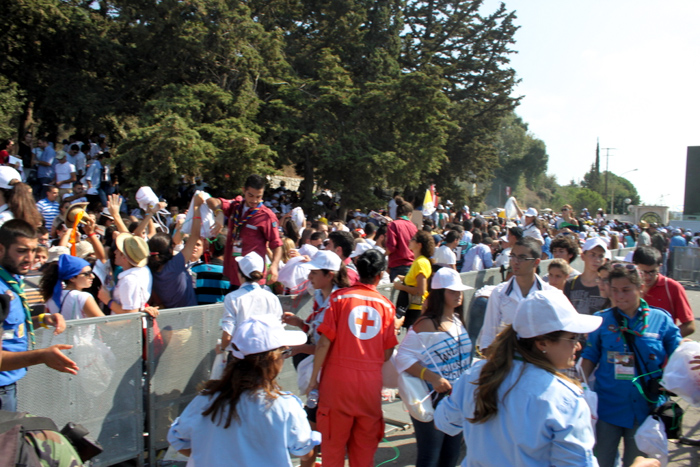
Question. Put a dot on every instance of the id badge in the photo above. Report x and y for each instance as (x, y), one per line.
(20, 331)
(237, 249)
(623, 363)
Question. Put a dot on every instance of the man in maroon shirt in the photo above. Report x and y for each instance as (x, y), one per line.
(398, 234)
(661, 291)
(251, 227)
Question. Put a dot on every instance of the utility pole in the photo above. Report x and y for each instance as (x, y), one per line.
(607, 170)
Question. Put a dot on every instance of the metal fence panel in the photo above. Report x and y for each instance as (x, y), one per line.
(106, 396)
(686, 263)
(181, 354)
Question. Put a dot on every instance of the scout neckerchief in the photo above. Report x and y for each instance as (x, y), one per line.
(624, 323)
(403, 217)
(17, 286)
(238, 223)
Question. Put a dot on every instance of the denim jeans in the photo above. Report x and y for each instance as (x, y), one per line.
(8, 397)
(398, 271)
(435, 448)
(608, 442)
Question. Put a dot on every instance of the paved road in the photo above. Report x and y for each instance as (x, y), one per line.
(402, 442)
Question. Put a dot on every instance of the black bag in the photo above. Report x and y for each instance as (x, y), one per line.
(671, 415)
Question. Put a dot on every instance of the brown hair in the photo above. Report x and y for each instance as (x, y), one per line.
(500, 356)
(561, 264)
(427, 243)
(22, 204)
(256, 371)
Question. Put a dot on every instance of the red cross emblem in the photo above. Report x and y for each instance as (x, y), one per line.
(364, 322)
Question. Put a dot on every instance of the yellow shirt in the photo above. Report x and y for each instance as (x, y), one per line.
(421, 265)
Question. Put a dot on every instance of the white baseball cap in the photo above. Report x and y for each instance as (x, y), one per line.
(448, 278)
(531, 212)
(263, 333)
(7, 174)
(360, 248)
(250, 263)
(324, 260)
(308, 250)
(546, 311)
(594, 242)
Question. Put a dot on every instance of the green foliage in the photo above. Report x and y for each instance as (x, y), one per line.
(578, 198)
(11, 100)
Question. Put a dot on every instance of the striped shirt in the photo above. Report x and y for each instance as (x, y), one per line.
(211, 284)
(48, 209)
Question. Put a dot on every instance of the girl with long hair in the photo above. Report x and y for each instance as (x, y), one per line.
(16, 199)
(517, 407)
(437, 349)
(245, 418)
(415, 282)
(62, 285)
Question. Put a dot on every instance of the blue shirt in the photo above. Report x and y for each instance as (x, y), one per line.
(47, 155)
(542, 421)
(677, 240)
(14, 334)
(619, 401)
(267, 432)
(49, 209)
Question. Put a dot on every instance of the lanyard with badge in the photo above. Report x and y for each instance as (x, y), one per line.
(624, 362)
(238, 224)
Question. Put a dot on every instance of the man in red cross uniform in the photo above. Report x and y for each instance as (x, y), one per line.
(251, 227)
(357, 337)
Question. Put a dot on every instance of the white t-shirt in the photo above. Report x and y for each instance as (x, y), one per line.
(133, 289)
(444, 256)
(63, 172)
(72, 304)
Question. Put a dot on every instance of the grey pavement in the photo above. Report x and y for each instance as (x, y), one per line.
(399, 448)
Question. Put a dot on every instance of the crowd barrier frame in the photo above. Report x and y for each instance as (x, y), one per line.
(146, 396)
(686, 264)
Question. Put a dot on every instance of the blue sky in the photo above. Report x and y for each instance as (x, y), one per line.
(624, 71)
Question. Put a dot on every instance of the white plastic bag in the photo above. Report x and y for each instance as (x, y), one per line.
(589, 395)
(679, 378)
(415, 396)
(217, 369)
(651, 439)
(511, 212)
(205, 213)
(304, 370)
(95, 360)
(147, 200)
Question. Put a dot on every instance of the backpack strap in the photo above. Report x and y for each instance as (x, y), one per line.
(10, 419)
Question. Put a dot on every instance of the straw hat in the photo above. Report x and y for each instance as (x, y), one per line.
(73, 211)
(134, 248)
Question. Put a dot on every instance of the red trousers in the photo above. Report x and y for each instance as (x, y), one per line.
(349, 415)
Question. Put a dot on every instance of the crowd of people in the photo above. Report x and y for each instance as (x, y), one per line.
(94, 257)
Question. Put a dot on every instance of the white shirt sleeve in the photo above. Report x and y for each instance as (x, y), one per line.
(492, 319)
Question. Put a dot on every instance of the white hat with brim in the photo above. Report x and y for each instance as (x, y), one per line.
(308, 250)
(360, 248)
(594, 242)
(448, 278)
(7, 174)
(531, 212)
(324, 260)
(546, 311)
(263, 333)
(250, 263)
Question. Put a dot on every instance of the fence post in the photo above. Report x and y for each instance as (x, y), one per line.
(149, 408)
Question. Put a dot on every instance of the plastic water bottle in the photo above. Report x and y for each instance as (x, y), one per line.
(312, 400)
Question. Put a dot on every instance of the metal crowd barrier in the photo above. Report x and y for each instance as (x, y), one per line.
(118, 398)
(686, 263)
(106, 396)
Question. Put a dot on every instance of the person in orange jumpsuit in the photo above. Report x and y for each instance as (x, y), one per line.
(358, 335)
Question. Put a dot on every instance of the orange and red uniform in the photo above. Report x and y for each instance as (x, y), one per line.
(360, 325)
